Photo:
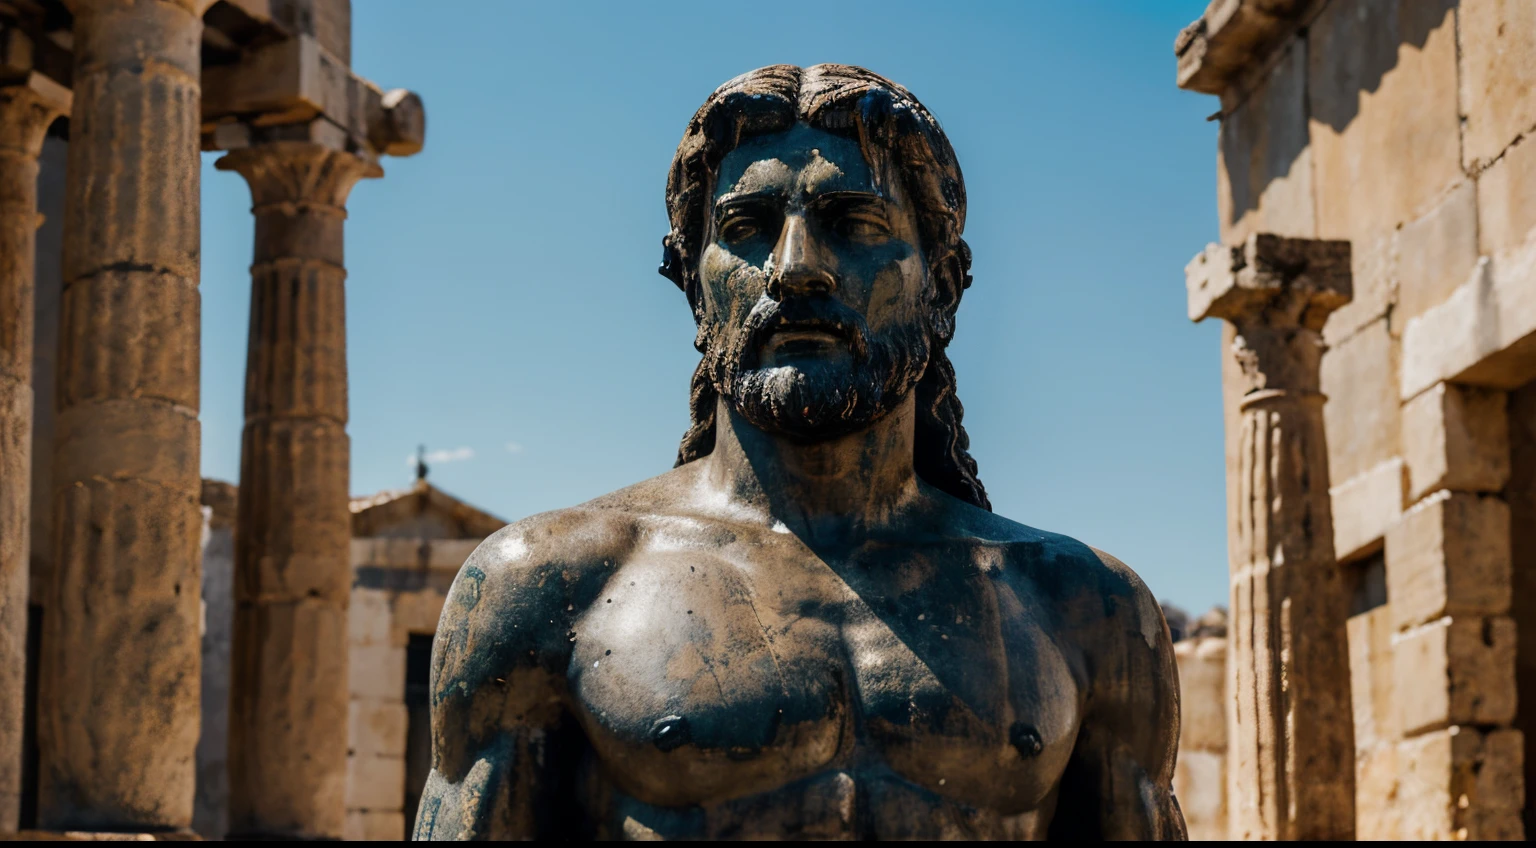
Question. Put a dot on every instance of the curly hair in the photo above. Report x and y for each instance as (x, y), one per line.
(884, 119)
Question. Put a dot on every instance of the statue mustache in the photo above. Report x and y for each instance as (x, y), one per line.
(826, 314)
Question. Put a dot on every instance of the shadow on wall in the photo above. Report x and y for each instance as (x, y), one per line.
(1343, 55)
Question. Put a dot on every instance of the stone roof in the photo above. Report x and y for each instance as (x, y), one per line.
(420, 511)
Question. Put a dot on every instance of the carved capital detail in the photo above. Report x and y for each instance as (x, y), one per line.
(1277, 292)
(298, 174)
(1270, 280)
(26, 113)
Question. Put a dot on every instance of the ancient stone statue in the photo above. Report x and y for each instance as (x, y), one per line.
(813, 626)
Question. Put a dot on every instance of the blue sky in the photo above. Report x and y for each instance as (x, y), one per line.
(504, 307)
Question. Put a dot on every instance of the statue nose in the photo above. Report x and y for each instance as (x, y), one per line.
(799, 266)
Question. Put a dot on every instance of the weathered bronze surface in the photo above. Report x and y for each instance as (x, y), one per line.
(814, 626)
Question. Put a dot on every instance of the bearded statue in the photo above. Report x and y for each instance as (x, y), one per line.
(813, 626)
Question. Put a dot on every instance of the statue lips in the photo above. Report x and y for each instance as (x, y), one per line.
(810, 327)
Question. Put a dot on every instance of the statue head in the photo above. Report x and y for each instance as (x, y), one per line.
(816, 218)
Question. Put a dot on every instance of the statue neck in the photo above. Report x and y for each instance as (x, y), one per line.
(826, 492)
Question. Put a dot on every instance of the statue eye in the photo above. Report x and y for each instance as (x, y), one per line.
(863, 226)
(738, 229)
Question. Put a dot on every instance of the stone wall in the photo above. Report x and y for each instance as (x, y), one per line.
(210, 808)
(399, 588)
(1405, 127)
(1199, 779)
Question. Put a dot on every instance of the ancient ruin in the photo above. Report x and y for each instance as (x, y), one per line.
(183, 657)
(1381, 420)
(100, 433)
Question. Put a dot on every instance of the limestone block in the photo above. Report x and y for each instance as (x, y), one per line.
(1359, 376)
(1455, 671)
(450, 553)
(1457, 438)
(1381, 82)
(1436, 252)
(1365, 505)
(1202, 664)
(368, 620)
(1483, 334)
(1498, 75)
(1371, 681)
(1263, 165)
(1506, 200)
(376, 728)
(377, 671)
(1376, 794)
(1457, 784)
(416, 612)
(380, 825)
(1373, 276)
(1200, 784)
(1449, 555)
(375, 783)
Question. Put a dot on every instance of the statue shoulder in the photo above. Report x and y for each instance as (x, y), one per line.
(514, 599)
(1103, 607)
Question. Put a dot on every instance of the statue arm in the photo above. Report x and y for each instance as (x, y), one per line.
(1119, 781)
(502, 739)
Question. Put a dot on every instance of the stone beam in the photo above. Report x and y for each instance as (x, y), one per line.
(26, 110)
(1231, 37)
(1291, 748)
(25, 55)
(299, 81)
(329, 21)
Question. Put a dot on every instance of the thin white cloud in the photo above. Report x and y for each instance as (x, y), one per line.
(441, 456)
(514, 447)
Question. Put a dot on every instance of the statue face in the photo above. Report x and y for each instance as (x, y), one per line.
(815, 289)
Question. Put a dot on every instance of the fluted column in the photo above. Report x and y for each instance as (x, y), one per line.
(288, 700)
(118, 692)
(1291, 729)
(25, 114)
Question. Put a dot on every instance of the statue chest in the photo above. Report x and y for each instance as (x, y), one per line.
(700, 681)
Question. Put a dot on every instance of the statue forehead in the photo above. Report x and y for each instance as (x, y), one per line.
(804, 157)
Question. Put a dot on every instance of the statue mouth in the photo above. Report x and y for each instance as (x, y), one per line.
(808, 329)
(802, 342)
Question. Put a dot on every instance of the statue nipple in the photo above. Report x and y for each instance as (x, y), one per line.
(1025, 739)
(670, 733)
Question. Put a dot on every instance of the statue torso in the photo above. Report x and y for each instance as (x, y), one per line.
(733, 682)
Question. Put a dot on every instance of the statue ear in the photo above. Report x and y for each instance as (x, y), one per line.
(672, 261)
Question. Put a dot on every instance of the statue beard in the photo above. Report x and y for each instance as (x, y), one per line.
(815, 400)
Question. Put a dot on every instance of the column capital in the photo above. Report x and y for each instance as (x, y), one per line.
(1270, 280)
(298, 172)
(27, 109)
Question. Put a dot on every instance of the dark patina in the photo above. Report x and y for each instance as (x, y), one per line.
(814, 626)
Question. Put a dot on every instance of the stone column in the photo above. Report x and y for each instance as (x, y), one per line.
(288, 704)
(25, 113)
(118, 688)
(1291, 742)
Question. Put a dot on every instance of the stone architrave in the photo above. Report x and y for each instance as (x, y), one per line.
(288, 700)
(26, 110)
(1291, 744)
(118, 685)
